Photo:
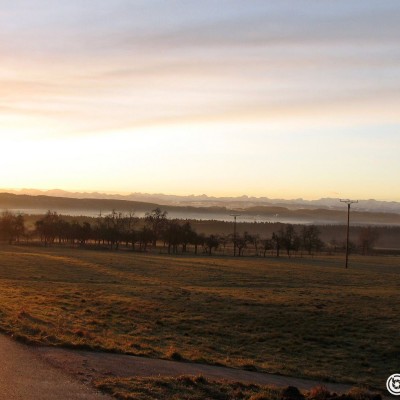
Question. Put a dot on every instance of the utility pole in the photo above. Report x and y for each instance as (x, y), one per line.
(349, 203)
(234, 215)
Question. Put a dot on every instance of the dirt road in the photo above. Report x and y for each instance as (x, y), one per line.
(24, 375)
(46, 373)
(95, 365)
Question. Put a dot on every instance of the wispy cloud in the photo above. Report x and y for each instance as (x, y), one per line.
(77, 68)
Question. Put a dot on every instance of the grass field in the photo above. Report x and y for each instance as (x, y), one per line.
(200, 388)
(303, 317)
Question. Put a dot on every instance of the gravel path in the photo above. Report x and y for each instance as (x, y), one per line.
(47, 373)
(24, 375)
(88, 365)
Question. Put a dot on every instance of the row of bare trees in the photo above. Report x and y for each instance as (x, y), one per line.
(115, 229)
(286, 239)
(12, 227)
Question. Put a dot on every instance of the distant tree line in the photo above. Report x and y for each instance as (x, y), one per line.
(175, 236)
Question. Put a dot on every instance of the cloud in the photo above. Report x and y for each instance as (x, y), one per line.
(105, 65)
(99, 27)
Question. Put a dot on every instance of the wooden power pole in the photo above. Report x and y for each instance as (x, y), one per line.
(234, 215)
(349, 203)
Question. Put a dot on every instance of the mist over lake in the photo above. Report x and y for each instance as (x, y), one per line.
(209, 216)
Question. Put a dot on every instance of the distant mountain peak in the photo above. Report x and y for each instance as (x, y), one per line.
(205, 200)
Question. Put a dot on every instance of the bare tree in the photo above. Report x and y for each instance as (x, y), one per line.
(156, 220)
(310, 238)
(286, 238)
(367, 238)
(47, 227)
(12, 226)
(211, 242)
(198, 240)
(277, 241)
(267, 244)
(173, 236)
(242, 241)
(145, 237)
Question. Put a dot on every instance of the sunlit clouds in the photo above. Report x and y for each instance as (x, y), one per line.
(192, 97)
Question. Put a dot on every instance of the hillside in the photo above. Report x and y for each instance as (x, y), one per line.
(370, 205)
(38, 204)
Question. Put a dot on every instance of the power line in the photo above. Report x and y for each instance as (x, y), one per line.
(349, 203)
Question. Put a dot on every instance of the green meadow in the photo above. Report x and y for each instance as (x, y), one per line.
(303, 317)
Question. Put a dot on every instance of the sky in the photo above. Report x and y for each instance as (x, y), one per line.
(283, 99)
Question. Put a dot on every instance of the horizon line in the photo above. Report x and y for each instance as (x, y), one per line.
(126, 194)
